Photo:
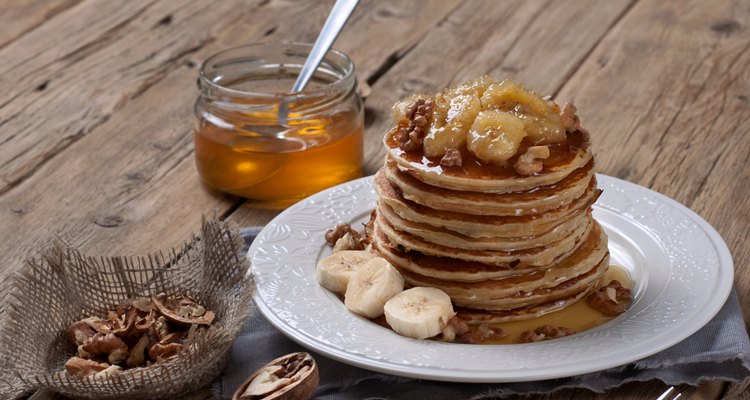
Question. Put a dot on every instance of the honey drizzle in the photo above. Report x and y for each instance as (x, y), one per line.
(578, 316)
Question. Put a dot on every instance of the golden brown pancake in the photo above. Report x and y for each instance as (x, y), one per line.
(535, 201)
(542, 255)
(447, 237)
(478, 225)
(439, 269)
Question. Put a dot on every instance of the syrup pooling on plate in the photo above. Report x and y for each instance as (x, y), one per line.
(579, 317)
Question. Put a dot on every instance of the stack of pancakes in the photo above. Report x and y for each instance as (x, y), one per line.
(504, 247)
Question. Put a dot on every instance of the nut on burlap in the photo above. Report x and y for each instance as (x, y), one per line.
(62, 285)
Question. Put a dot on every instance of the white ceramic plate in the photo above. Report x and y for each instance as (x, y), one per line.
(682, 269)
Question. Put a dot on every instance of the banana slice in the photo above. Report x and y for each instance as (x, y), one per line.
(334, 271)
(371, 286)
(419, 312)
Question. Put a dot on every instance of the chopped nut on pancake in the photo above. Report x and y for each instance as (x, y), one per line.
(531, 161)
(570, 119)
(452, 158)
(411, 136)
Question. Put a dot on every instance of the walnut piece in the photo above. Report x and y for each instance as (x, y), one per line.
(105, 345)
(545, 332)
(112, 370)
(454, 328)
(344, 237)
(333, 235)
(161, 351)
(570, 119)
(182, 310)
(167, 347)
(452, 158)
(411, 137)
(138, 352)
(346, 242)
(482, 333)
(78, 332)
(531, 161)
(611, 299)
(78, 366)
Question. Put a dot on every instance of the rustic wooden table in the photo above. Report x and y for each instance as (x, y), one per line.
(96, 101)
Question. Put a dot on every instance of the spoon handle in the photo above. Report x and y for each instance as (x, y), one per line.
(331, 29)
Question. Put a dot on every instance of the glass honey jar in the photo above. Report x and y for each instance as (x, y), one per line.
(246, 145)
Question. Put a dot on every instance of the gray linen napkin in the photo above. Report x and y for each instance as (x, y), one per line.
(719, 351)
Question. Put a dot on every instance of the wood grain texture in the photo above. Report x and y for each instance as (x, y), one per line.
(21, 16)
(108, 53)
(672, 114)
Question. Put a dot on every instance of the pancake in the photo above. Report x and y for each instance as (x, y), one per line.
(566, 289)
(567, 157)
(542, 255)
(534, 201)
(445, 271)
(447, 237)
(477, 225)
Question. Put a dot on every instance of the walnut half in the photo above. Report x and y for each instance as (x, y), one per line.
(453, 329)
(411, 137)
(291, 377)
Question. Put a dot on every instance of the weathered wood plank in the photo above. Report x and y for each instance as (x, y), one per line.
(135, 177)
(21, 16)
(672, 114)
(538, 42)
(57, 91)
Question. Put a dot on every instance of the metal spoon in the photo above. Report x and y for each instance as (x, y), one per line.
(340, 13)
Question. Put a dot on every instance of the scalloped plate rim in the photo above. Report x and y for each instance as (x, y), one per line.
(486, 374)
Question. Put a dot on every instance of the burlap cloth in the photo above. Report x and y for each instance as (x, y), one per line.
(719, 351)
(62, 285)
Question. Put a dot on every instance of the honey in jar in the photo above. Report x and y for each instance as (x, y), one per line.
(255, 140)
